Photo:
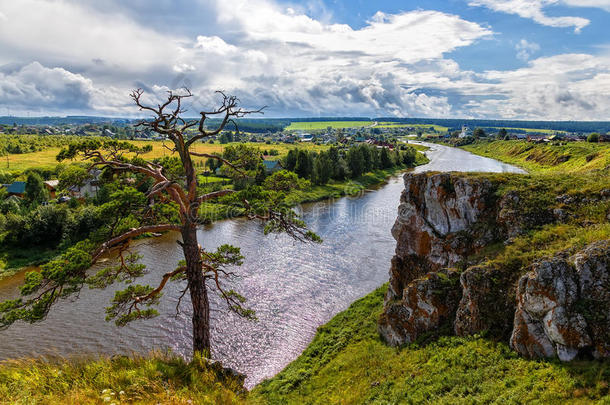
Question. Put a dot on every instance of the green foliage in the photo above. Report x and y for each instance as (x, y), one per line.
(34, 188)
(385, 159)
(594, 137)
(322, 169)
(284, 181)
(479, 133)
(304, 164)
(548, 157)
(124, 308)
(348, 363)
(72, 175)
(126, 272)
(121, 148)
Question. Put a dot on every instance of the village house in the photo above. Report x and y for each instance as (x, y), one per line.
(89, 188)
(16, 189)
(51, 186)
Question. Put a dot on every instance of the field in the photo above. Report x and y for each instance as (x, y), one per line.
(317, 125)
(437, 128)
(46, 158)
(578, 157)
(347, 363)
(534, 130)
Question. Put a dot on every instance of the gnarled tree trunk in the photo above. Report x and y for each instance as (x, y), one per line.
(198, 291)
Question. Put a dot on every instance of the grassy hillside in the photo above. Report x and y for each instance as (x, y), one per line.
(576, 157)
(156, 379)
(347, 363)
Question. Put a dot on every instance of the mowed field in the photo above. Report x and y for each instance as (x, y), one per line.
(46, 158)
(315, 125)
(437, 128)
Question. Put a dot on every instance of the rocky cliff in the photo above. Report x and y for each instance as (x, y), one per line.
(440, 283)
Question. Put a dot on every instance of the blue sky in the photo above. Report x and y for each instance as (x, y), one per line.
(520, 59)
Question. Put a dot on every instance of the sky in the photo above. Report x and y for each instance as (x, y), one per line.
(512, 59)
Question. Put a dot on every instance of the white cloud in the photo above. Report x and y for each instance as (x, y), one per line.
(562, 87)
(603, 4)
(58, 32)
(526, 49)
(84, 58)
(534, 9)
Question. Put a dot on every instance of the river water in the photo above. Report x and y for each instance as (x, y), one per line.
(293, 287)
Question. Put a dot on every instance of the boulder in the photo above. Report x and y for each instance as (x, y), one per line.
(437, 224)
(563, 306)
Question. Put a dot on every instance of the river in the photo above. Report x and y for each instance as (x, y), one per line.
(293, 287)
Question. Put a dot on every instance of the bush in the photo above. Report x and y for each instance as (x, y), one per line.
(593, 138)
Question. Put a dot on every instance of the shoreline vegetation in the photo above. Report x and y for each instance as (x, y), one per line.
(545, 158)
(347, 362)
(14, 260)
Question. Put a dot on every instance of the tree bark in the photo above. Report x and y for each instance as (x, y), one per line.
(198, 291)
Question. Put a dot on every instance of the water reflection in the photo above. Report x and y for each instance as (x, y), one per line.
(293, 287)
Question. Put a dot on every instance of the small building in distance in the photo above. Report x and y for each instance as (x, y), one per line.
(465, 132)
(16, 189)
(51, 186)
(89, 187)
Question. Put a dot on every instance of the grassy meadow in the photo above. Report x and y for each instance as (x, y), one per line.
(46, 158)
(317, 125)
(574, 157)
(347, 363)
(155, 379)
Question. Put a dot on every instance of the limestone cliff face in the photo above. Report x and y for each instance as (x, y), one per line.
(442, 220)
(564, 306)
(435, 226)
(560, 307)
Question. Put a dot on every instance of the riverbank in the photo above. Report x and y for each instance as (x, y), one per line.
(13, 261)
(546, 158)
(346, 363)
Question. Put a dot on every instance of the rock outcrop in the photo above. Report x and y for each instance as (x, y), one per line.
(564, 306)
(442, 219)
(428, 304)
(561, 307)
(436, 225)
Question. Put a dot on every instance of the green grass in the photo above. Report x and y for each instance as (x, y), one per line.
(46, 158)
(533, 130)
(13, 260)
(575, 157)
(317, 125)
(437, 128)
(158, 378)
(347, 363)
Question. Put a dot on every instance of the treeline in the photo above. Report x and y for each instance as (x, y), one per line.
(569, 126)
(341, 164)
(257, 126)
(17, 144)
